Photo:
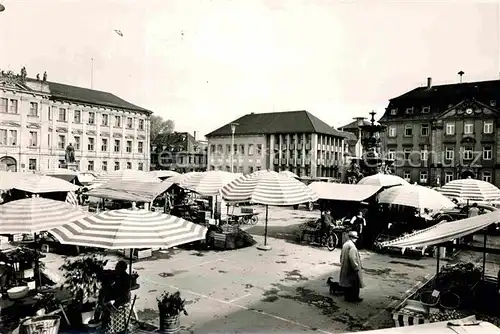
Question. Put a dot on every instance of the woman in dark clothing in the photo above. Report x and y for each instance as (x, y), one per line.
(117, 300)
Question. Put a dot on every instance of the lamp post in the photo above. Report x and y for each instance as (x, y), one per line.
(233, 129)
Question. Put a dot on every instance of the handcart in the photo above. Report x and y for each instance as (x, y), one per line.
(246, 216)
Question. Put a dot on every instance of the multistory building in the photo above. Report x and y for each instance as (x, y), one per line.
(440, 133)
(39, 119)
(292, 140)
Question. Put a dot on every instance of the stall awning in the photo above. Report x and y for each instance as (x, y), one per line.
(343, 191)
(445, 232)
(130, 190)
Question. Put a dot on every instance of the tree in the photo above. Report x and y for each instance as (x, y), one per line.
(160, 126)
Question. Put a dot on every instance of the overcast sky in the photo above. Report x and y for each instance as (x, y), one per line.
(205, 63)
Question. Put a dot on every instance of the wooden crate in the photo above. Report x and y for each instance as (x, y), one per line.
(219, 240)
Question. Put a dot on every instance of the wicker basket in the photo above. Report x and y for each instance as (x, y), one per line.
(229, 229)
(45, 324)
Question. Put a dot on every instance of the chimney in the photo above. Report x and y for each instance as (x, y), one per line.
(429, 83)
(460, 74)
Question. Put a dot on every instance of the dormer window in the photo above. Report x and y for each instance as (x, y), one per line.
(426, 110)
(493, 103)
(394, 111)
(409, 111)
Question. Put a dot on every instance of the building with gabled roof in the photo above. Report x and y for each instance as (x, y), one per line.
(440, 133)
(291, 140)
(40, 118)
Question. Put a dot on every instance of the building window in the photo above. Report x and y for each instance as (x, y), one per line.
(449, 153)
(117, 165)
(392, 131)
(77, 164)
(117, 145)
(487, 153)
(105, 120)
(450, 129)
(424, 130)
(391, 154)
(250, 169)
(77, 142)
(448, 177)
(423, 176)
(3, 137)
(140, 147)
(61, 144)
(140, 166)
(468, 153)
(61, 164)
(77, 116)
(141, 124)
(129, 165)
(394, 111)
(250, 150)
(33, 109)
(242, 149)
(104, 145)
(128, 148)
(91, 118)
(228, 149)
(424, 154)
(235, 149)
(426, 110)
(32, 164)
(488, 127)
(486, 177)
(62, 115)
(33, 139)
(118, 121)
(408, 130)
(4, 105)
(104, 166)
(259, 149)
(90, 166)
(219, 149)
(407, 152)
(13, 107)
(407, 176)
(129, 122)
(49, 113)
(212, 149)
(409, 111)
(90, 146)
(468, 127)
(12, 137)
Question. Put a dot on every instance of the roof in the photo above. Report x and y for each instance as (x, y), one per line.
(441, 97)
(59, 91)
(446, 231)
(353, 125)
(300, 121)
(132, 191)
(344, 191)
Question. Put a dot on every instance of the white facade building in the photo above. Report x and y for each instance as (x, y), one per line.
(39, 119)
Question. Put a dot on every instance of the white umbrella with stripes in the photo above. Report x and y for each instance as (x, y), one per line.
(207, 183)
(38, 184)
(160, 174)
(289, 174)
(268, 188)
(126, 175)
(471, 189)
(129, 229)
(31, 215)
(383, 180)
(415, 196)
(179, 178)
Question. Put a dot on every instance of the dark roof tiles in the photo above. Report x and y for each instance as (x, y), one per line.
(300, 121)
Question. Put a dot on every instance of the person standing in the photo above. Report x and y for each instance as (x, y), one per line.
(358, 224)
(351, 275)
(117, 300)
(473, 210)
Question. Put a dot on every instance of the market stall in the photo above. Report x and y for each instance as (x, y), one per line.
(454, 291)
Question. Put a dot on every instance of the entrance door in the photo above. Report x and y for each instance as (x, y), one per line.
(8, 164)
(468, 174)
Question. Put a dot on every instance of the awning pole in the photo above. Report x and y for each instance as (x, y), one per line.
(438, 255)
(484, 252)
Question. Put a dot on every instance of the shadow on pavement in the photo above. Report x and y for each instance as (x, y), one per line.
(289, 233)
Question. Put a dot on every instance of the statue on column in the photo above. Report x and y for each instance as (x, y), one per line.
(24, 73)
(70, 154)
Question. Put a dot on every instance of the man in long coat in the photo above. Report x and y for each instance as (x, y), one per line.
(351, 271)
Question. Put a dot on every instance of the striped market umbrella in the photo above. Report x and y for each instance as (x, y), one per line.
(383, 180)
(126, 175)
(31, 215)
(38, 184)
(161, 174)
(129, 229)
(268, 188)
(415, 196)
(287, 173)
(471, 189)
(207, 183)
(179, 178)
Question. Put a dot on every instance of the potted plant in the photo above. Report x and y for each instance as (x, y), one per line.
(170, 306)
(83, 279)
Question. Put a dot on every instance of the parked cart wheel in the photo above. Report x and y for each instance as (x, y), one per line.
(332, 241)
(253, 220)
